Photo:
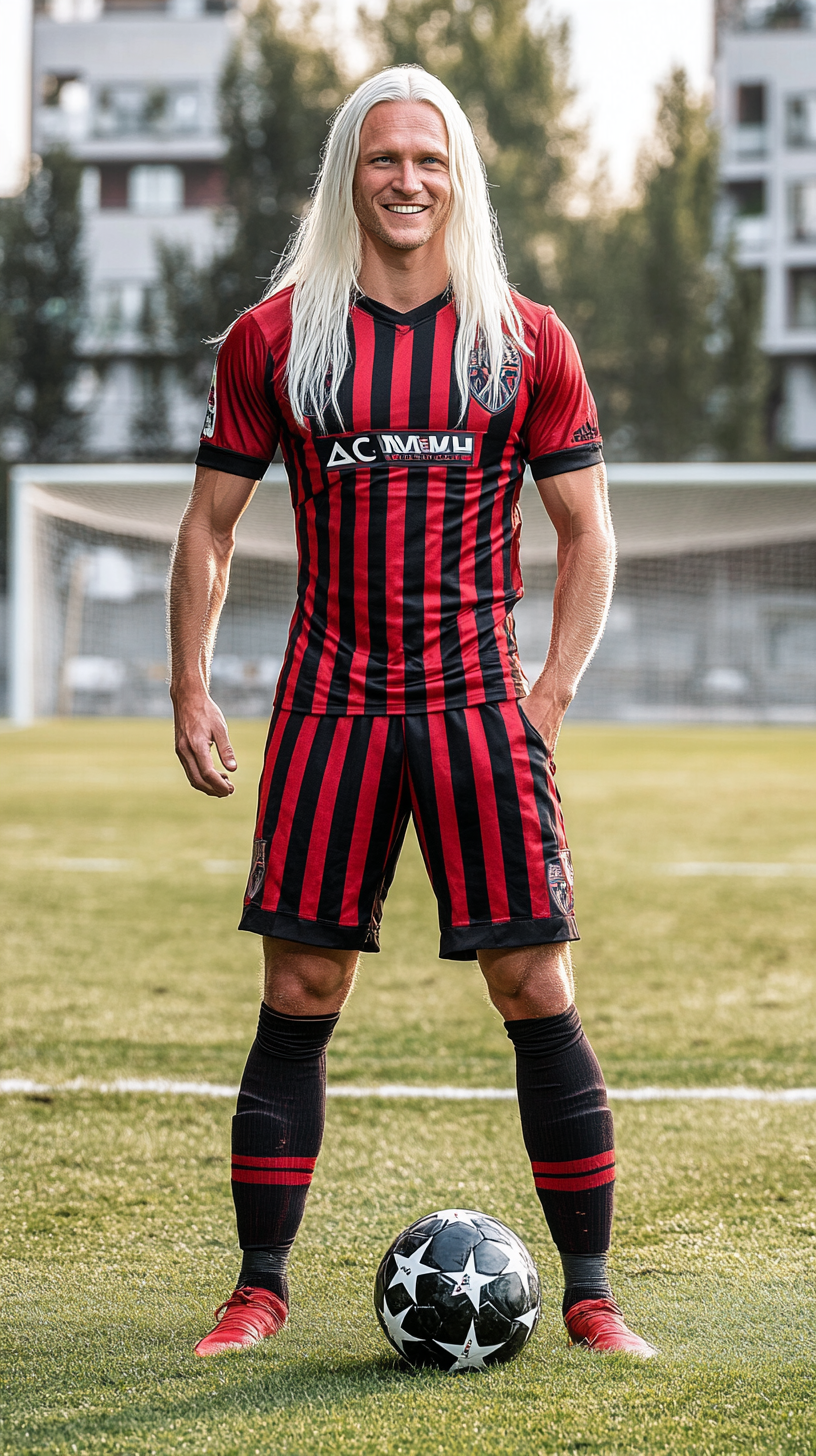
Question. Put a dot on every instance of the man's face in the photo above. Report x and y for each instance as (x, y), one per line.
(402, 186)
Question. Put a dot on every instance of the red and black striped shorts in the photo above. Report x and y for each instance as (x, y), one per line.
(335, 798)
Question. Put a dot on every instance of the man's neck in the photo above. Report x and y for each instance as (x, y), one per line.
(403, 280)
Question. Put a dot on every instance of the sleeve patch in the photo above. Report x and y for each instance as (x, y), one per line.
(209, 418)
(587, 431)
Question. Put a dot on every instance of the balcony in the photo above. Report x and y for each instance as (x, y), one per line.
(73, 112)
(762, 15)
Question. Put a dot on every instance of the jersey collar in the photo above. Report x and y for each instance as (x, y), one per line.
(408, 320)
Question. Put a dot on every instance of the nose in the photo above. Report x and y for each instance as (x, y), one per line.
(408, 181)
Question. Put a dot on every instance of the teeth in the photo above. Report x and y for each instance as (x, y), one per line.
(395, 207)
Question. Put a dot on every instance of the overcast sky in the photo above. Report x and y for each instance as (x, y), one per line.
(621, 49)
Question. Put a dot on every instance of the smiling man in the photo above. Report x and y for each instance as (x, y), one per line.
(408, 387)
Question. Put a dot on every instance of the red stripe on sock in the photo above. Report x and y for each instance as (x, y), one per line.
(267, 1175)
(578, 1165)
(577, 1185)
(243, 1160)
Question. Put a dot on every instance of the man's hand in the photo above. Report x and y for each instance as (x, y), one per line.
(544, 713)
(200, 724)
(198, 586)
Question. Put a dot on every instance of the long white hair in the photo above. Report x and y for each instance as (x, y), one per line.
(323, 258)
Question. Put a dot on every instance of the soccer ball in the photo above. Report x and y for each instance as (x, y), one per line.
(458, 1290)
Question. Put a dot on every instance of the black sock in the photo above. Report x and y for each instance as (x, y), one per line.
(276, 1135)
(567, 1128)
(585, 1277)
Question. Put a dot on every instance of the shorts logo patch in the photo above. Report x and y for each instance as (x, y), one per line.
(258, 869)
(209, 418)
(560, 880)
(509, 375)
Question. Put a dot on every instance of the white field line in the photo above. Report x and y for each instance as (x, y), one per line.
(165, 1087)
(701, 868)
(740, 867)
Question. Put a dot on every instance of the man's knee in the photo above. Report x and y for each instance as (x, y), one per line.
(529, 981)
(306, 980)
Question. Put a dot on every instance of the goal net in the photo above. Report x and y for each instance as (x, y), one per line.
(714, 613)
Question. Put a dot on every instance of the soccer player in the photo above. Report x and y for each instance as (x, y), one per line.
(408, 387)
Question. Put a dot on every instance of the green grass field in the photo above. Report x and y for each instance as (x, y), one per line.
(117, 1237)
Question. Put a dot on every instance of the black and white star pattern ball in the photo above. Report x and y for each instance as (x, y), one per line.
(458, 1290)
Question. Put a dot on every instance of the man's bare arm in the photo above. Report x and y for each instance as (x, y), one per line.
(578, 507)
(198, 585)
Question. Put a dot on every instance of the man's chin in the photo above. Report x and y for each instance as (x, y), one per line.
(408, 245)
(405, 242)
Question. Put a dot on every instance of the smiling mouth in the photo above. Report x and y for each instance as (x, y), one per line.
(400, 207)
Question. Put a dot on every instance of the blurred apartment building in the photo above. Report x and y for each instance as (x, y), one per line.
(131, 86)
(766, 96)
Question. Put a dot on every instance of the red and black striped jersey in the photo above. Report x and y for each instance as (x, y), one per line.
(406, 503)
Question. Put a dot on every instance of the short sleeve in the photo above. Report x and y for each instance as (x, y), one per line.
(561, 430)
(239, 435)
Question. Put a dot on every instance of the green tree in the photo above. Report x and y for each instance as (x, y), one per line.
(667, 322)
(509, 70)
(671, 233)
(42, 291)
(279, 88)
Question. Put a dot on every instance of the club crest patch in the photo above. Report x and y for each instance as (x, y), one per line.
(560, 882)
(509, 375)
(209, 418)
(258, 869)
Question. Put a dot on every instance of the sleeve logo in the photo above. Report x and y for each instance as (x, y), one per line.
(209, 418)
(509, 375)
(587, 431)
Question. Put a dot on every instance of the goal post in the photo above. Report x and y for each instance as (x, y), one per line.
(714, 613)
(90, 551)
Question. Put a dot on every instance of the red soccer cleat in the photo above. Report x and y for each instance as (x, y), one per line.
(248, 1316)
(599, 1324)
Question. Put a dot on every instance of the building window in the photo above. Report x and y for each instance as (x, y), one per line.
(802, 211)
(800, 120)
(802, 298)
(155, 191)
(113, 185)
(90, 189)
(119, 5)
(751, 105)
(751, 133)
(52, 84)
(787, 15)
(119, 307)
(748, 198)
